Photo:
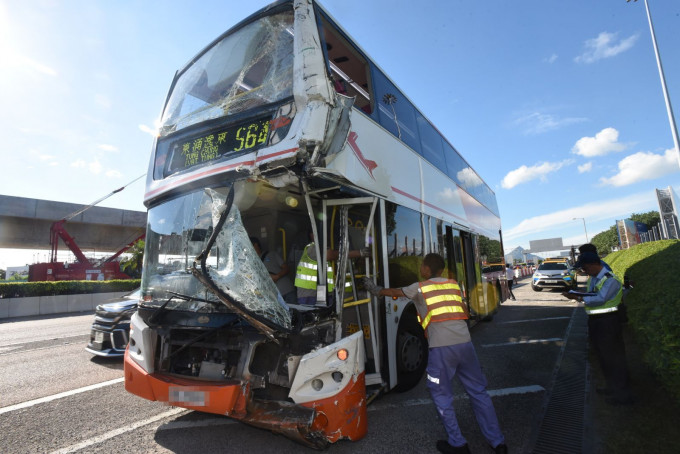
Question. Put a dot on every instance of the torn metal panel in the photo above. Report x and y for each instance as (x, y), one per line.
(239, 273)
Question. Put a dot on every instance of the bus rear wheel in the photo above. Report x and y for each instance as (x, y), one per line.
(411, 352)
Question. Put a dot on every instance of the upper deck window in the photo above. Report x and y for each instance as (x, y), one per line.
(349, 70)
(250, 67)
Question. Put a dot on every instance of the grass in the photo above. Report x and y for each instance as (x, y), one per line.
(653, 353)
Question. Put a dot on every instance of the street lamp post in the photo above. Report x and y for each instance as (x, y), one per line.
(584, 227)
(669, 108)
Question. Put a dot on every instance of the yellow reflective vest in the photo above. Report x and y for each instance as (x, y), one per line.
(305, 276)
(444, 302)
(609, 306)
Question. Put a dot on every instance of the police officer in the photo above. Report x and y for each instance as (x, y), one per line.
(604, 326)
(442, 315)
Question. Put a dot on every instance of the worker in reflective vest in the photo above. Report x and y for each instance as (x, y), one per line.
(307, 272)
(442, 314)
(602, 302)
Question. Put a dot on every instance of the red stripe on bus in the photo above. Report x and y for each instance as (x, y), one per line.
(214, 171)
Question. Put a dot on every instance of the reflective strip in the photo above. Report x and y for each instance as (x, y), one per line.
(440, 298)
(432, 379)
(306, 277)
(311, 266)
(443, 310)
(602, 311)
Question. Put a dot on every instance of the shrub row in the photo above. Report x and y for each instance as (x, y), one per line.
(24, 289)
(654, 305)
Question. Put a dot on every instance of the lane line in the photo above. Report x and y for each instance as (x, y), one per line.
(523, 342)
(116, 432)
(43, 400)
(492, 392)
(33, 341)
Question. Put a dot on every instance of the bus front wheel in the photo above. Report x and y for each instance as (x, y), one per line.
(411, 352)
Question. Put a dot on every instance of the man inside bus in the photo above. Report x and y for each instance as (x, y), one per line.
(443, 315)
(306, 274)
(278, 270)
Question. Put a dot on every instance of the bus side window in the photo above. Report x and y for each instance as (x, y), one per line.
(349, 69)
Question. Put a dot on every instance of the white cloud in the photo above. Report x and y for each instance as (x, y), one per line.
(587, 167)
(605, 46)
(526, 174)
(148, 130)
(552, 59)
(37, 66)
(643, 165)
(592, 211)
(113, 174)
(79, 164)
(469, 178)
(538, 123)
(95, 167)
(605, 141)
(107, 147)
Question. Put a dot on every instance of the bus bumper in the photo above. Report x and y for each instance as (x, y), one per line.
(315, 423)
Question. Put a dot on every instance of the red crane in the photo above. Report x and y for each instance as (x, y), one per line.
(83, 268)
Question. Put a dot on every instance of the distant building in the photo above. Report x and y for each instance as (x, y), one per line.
(668, 211)
(630, 232)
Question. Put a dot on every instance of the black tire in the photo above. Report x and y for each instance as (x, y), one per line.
(536, 289)
(411, 352)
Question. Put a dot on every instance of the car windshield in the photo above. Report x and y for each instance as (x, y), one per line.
(178, 231)
(552, 267)
(248, 68)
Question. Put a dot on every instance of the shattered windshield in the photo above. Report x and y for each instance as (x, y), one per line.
(178, 231)
(248, 68)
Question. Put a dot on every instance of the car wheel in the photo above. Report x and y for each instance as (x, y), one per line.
(536, 289)
(411, 352)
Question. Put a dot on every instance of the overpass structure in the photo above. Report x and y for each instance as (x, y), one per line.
(25, 224)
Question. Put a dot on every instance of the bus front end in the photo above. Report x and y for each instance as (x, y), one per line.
(212, 332)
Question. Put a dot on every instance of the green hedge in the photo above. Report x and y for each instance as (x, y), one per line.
(24, 289)
(654, 304)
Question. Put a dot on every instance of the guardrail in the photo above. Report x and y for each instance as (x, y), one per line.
(53, 304)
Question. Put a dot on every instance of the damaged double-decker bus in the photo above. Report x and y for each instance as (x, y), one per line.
(284, 130)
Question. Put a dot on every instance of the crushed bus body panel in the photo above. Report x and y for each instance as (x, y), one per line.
(283, 133)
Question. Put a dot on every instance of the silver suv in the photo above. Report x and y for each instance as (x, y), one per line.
(553, 275)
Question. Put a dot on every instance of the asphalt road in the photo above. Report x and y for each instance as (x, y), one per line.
(55, 397)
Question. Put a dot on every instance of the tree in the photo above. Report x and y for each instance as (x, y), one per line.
(605, 241)
(2, 274)
(133, 265)
(651, 218)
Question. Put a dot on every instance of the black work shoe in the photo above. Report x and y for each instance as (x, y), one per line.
(603, 391)
(446, 448)
(501, 449)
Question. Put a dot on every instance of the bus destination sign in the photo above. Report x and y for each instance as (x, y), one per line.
(196, 150)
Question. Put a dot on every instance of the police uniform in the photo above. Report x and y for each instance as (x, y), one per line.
(605, 332)
(442, 314)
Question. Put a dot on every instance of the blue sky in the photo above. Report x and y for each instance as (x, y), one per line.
(557, 105)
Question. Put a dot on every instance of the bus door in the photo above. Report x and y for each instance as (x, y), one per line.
(472, 272)
(350, 225)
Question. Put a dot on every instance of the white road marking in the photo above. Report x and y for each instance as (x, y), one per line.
(43, 400)
(114, 433)
(492, 392)
(523, 342)
(34, 340)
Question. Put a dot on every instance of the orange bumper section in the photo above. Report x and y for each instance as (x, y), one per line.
(315, 424)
